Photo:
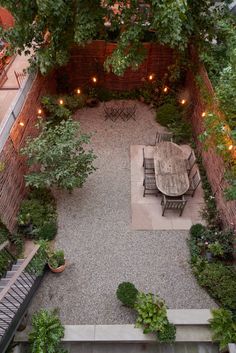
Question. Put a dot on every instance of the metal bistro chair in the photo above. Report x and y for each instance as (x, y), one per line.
(163, 136)
(194, 182)
(190, 161)
(173, 203)
(129, 113)
(149, 184)
(148, 164)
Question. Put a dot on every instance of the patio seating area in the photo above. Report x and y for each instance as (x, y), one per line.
(110, 233)
(152, 179)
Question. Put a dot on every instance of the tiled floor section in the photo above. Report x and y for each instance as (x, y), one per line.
(147, 211)
(7, 96)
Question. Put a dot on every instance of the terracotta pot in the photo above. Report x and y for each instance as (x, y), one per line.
(58, 269)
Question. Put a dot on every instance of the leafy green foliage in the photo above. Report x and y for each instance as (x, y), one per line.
(152, 317)
(47, 231)
(39, 261)
(56, 259)
(127, 293)
(220, 282)
(51, 29)
(223, 325)
(4, 233)
(60, 153)
(169, 115)
(47, 332)
(219, 242)
(5, 263)
(37, 215)
(167, 335)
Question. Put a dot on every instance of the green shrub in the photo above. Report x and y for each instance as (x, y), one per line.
(4, 233)
(47, 231)
(220, 282)
(223, 325)
(54, 111)
(167, 114)
(220, 241)
(168, 334)
(75, 102)
(38, 210)
(181, 130)
(5, 264)
(152, 315)
(47, 332)
(197, 231)
(39, 261)
(127, 294)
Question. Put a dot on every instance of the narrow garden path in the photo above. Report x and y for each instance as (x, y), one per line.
(101, 248)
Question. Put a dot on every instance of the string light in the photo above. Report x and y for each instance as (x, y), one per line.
(183, 101)
(165, 89)
(150, 77)
(61, 102)
(21, 123)
(94, 79)
(39, 111)
(203, 114)
(230, 147)
(78, 91)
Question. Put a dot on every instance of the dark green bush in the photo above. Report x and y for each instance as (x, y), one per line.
(167, 114)
(74, 102)
(197, 231)
(4, 233)
(127, 294)
(220, 282)
(47, 231)
(168, 334)
(37, 215)
(54, 111)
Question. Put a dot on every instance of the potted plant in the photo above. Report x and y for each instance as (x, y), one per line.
(56, 261)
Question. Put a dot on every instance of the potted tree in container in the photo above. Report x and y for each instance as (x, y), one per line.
(56, 261)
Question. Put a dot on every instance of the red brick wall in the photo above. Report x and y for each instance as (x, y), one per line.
(88, 61)
(12, 186)
(6, 18)
(212, 162)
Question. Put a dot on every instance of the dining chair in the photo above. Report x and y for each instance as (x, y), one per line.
(148, 164)
(190, 161)
(163, 136)
(149, 183)
(173, 203)
(194, 183)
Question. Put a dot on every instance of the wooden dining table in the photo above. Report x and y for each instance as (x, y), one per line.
(170, 169)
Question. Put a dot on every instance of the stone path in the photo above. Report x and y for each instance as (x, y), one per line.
(100, 246)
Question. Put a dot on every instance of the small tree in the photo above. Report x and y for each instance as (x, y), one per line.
(58, 156)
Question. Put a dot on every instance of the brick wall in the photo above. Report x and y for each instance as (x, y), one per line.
(12, 186)
(6, 18)
(212, 162)
(88, 61)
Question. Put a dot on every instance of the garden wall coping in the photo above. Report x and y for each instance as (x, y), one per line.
(192, 326)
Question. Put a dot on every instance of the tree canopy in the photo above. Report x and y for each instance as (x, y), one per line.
(51, 27)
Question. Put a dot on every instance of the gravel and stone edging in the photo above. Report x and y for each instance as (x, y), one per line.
(102, 250)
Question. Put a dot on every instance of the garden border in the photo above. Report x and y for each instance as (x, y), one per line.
(192, 326)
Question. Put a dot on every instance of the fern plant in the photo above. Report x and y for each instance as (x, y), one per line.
(223, 325)
(47, 332)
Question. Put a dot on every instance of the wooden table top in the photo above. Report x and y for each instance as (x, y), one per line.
(170, 169)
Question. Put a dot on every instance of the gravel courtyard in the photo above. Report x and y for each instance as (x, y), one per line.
(100, 247)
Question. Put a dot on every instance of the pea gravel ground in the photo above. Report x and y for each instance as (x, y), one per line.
(101, 248)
